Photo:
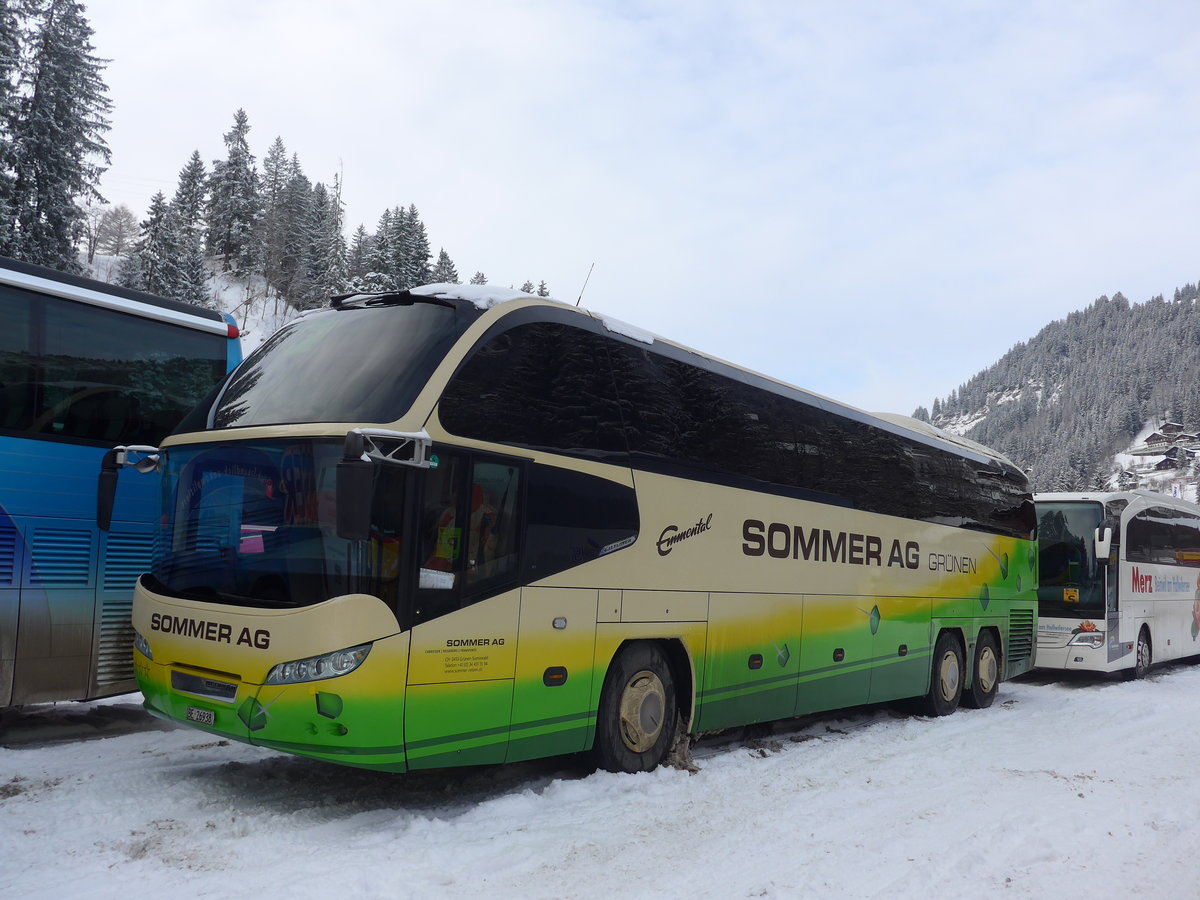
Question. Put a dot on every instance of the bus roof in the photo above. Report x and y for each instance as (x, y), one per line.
(486, 297)
(1147, 497)
(110, 296)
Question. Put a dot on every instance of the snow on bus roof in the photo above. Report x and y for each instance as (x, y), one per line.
(484, 296)
(616, 326)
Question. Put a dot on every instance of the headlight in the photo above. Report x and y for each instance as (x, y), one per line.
(316, 668)
(1093, 639)
(142, 646)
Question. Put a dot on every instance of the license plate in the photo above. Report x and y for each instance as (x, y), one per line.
(201, 716)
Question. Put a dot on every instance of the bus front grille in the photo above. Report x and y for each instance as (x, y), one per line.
(1020, 640)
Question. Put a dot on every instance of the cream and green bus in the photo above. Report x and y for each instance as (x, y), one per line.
(457, 526)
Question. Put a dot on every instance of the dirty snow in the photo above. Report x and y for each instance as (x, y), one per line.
(1066, 787)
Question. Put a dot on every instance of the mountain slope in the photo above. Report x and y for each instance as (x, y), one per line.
(1065, 402)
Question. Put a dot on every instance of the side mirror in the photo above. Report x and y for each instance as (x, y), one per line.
(106, 489)
(147, 461)
(1104, 536)
(355, 474)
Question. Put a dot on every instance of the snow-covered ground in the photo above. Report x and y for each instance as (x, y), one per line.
(1067, 787)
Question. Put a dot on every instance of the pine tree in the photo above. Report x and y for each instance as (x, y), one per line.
(191, 196)
(326, 271)
(193, 271)
(379, 275)
(416, 258)
(444, 272)
(154, 263)
(277, 173)
(57, 150)
(294, 215)
(234, 207)
(398, 244)
(527, 287)
(356, 257)
(478, 278)
(542, 290)
(10, 60)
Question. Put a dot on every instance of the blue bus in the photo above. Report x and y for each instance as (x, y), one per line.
(84, 366)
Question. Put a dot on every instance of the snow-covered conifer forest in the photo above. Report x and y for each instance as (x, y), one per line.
(255, 236)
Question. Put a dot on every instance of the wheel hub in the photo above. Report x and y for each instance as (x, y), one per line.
(642, 705)
(948, 675)
(988, 670)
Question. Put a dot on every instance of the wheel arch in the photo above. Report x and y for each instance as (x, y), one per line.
(683, 672)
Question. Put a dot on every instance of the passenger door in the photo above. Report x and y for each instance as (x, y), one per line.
(464, 638)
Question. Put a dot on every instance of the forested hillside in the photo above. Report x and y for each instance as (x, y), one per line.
(1061, 404)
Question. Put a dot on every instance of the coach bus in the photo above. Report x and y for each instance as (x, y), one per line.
(84, 365)
(1119, 581)
(457, 525)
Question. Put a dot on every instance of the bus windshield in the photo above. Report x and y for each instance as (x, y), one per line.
(352, 364)
(1071, 578)
(255, 523)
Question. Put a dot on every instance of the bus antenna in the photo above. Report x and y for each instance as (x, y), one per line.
(585, 281)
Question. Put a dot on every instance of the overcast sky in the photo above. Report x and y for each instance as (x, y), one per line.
(872, 200)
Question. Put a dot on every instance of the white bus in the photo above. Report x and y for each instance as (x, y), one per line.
(1119, 587)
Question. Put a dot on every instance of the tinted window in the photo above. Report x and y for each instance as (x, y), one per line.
(70, 370)
(1164, 535)
(583, 393)
(572, 518)
(539, 385)
(355, 364)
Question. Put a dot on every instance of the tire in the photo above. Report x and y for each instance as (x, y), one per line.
(946, 677)
(637, 718)
(1144, 658)
(987, 669)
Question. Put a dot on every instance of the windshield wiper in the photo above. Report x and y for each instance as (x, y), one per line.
(385, 298)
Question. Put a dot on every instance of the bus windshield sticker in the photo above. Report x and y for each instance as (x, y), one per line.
(432, 579)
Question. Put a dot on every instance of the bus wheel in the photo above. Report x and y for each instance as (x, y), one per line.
(1145, 656)
(946, 685)
(635, 725)
(987, 673)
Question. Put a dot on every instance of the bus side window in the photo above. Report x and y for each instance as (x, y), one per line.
(441, 527)
(492, 524)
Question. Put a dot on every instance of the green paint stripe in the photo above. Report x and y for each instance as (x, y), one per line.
(426, 743)
(879, 660)
(294, 747)
(750, 686)
(713, 693)
(458, 738)
(554, 720)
